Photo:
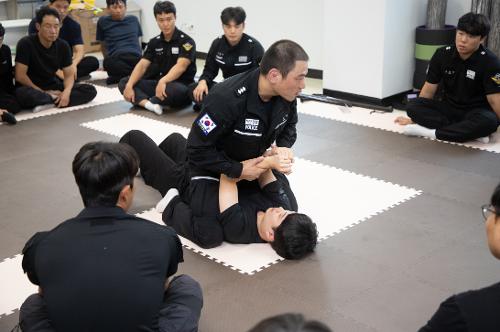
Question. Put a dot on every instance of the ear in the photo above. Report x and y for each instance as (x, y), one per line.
(274, 76)
(270, 236)
(37, 26)
(483, 40)
(125, 197)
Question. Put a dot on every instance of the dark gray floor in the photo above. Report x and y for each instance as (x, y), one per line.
(386, 274)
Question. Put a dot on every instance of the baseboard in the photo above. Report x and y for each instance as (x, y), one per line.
(395, 100)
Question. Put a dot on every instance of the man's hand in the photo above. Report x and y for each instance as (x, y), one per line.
(200, 91)
(160, 90)
(403, 120)
(250, 170)
(279, 162)
(63, 99)
(129, 94)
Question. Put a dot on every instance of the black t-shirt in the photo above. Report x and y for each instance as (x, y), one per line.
(6, 74)
(239, 222)
(232, 60)
(43, 62)
(164, 54)
(70, 31)
(466, 82)
(103, 270)
(467, 312)
(236, 125)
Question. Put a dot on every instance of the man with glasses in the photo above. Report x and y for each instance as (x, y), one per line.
(475, 310)
(38, 58)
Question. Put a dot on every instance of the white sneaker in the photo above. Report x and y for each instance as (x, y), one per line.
(162, 204)
(40, 108)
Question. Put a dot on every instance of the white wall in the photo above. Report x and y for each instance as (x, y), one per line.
(267, 21)
(455, 9)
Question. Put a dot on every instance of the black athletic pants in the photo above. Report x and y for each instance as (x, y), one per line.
(120, 66)
(452, 124)
(194, 214)
(177, 93)
(87, 65)
(180, 311)
(80, 94)
(9, 102)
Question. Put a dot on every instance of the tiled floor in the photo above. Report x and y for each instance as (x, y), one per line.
(387, 274)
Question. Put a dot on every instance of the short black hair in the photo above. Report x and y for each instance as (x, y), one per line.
(164, 7)
(2, 30)
(46, 11)
(102, 169)
(52, 1)
(474, 24)
(236, 14)
(282, 55)
(495, 199)
(109, 3)
(289, 322)
(295, 237)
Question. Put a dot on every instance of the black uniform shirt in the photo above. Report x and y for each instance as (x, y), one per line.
(43, 62)
(466, 82)
(232, 60)
(164, 54)
(236, 125)
(239, 222)
(469, 311)
(104, 270)
(6, 75)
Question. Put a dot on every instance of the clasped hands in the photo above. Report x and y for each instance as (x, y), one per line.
(277, 158)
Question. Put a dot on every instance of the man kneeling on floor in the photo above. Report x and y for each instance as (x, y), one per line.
(250, 211)
(38, 58)
(106, 270)
(470, 77)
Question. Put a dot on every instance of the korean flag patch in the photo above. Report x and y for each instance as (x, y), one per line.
(206, 124)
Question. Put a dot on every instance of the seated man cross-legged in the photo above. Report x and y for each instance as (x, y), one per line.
(162, 76)
(250, 212)
(38, 58)
(106, 270)
(71, 32)
(470, 77)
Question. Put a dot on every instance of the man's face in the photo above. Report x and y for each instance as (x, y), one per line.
(166, 23)
(273, 217)
(290, 86)
(49, 29)
(233, 32)
(467, 43)
(62, 7)
(117, 11)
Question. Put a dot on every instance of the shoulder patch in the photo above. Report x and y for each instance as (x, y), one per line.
(206, 124)
(187, 46)
(496, 79)
(240, 91)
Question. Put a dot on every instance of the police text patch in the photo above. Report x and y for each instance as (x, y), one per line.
(206, 124)
(251, 124)
(471, 74)
(175, 50)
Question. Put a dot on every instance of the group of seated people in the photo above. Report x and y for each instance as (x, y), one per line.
(106, 270)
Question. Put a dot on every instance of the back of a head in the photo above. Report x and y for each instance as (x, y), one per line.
(495, 198)
(45, 11)
(474, 24)
(289, 323)
(296, 237)
(2, 30)
(164, 7)
(282, 55)
(102, 169)
(236, 14)
(115, 2)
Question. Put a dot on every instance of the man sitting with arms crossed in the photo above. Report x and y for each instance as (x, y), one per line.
(470, 76)
(38, 58)
(254, 213)
(106, 270)
(71, 32)
(168, 64)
